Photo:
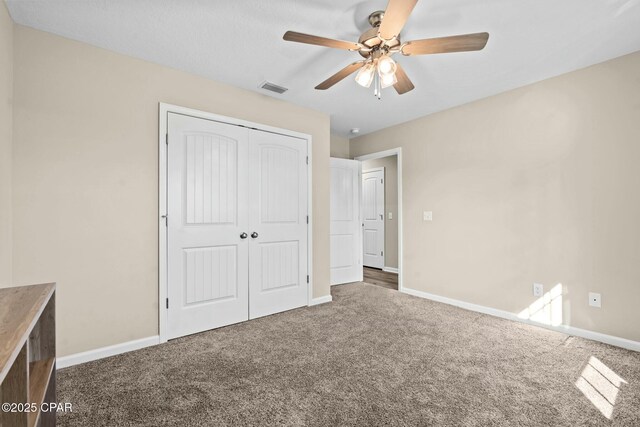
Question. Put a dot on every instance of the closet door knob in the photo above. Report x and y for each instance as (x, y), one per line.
(254, 235)
(243, 235)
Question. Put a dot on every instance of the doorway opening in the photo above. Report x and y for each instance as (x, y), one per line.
(380, 231)
(366, 219)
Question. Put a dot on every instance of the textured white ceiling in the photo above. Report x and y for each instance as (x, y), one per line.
(239, 42)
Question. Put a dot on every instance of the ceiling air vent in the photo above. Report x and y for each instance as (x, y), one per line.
(273, 87)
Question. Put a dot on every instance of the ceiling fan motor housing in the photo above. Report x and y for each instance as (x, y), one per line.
(375, 18)
(370, 37)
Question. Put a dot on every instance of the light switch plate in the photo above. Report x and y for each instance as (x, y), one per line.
(427, 216)
(390, 215)
(595, 299)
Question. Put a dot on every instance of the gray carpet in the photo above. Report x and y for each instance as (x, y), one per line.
(372, 357)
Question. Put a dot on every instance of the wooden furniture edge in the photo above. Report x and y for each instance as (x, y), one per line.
(39, 378)
(25, 334)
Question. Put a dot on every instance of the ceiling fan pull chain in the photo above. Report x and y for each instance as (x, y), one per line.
(375, 85)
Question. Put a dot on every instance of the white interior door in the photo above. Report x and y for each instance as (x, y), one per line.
(345, 239)
(373, 217)
(207, 271)
(278, 273)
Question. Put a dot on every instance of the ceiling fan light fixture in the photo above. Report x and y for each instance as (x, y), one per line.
(387, 80)
(365, 75)
(386, 66)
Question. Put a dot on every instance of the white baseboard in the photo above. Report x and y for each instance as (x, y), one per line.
(112, 350)
(390, 269)
(320, 300)
(569, 330)
(99, 353)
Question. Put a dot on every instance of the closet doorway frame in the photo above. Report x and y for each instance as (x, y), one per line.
(163, 112)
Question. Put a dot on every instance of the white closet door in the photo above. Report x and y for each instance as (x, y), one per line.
(277, 223)
(207, 258)
(345, 239)
(373, 217)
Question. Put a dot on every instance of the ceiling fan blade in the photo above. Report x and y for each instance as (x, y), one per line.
(403, 85)
(349, 69)
(395, 16)
(293, 36)
(463, 43)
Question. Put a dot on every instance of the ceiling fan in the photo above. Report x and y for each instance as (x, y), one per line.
(379, 43)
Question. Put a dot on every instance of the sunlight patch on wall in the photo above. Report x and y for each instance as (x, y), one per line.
(547, 309)
(600, 385)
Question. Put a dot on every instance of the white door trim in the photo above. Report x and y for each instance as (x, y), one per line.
(379, 155)
(163, 111)
(381, 168)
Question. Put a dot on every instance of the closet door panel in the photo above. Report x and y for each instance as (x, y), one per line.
(207, 269)
(278, 223)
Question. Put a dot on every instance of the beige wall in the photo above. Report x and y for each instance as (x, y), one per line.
(86, 179)
(339, 147)
(6, 128)
(540, 184)
(390, 165)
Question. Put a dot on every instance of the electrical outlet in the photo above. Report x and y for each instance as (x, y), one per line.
(595, 300)
(538, 290)
(427, 216)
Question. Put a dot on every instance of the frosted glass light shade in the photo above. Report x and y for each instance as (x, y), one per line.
(365, 75)
(386, 66)
(387, 80)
